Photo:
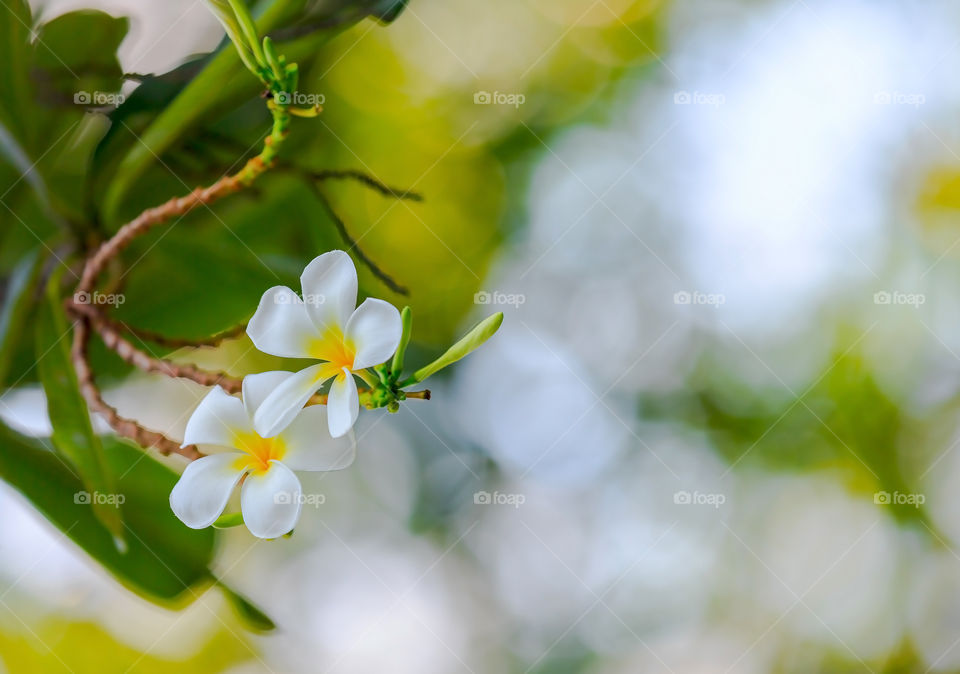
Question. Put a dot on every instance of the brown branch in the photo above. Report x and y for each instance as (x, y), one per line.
(127, 428)
(140, 359)
(176, 207)
(175, 342)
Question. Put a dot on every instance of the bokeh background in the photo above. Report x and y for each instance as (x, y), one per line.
(718, 430)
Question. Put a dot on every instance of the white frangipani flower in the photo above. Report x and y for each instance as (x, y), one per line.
(326, 325)
(270, 498)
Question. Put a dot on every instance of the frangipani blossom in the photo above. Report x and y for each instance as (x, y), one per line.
(270, 498)
(328, 326)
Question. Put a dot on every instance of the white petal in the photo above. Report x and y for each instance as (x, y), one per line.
(343, 404)
(309, 445)
(283, 404)
(329, 286)
(374, 330)
(202, 493)
(281, 326)
(270, 502)
(256, 388)
(217, 420)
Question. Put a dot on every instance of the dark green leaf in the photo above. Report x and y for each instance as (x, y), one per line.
(73, 434)
(18, 300)
(163, 561)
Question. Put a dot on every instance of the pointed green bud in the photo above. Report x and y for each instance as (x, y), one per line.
(406, 320)
(483, 331)
(248, 30)
(274, 61)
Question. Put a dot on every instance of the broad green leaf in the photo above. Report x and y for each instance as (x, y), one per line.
(483, 331)
(18, 300)
(163, 561)
(69, 66)
(46, 75)
(15, 53)
(73, 434)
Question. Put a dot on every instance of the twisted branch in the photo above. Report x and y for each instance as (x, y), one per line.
(174, 342)
(127, 428)
(139, 359)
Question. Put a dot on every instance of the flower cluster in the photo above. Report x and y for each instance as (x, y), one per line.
(273, 431)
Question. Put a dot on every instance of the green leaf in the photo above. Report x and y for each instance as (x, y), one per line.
(164, 561)
(483, 331)
(15, 23)
(73, 434)
(44, 77)
(68, 65)
(253, 616)
(18, 301)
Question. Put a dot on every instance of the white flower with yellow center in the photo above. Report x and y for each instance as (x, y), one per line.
(328, 326)
(270, 498)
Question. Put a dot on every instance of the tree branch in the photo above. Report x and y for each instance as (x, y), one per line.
(127, 428)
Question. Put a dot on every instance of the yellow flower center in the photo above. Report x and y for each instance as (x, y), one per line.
(259, 451)
(334, 348)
